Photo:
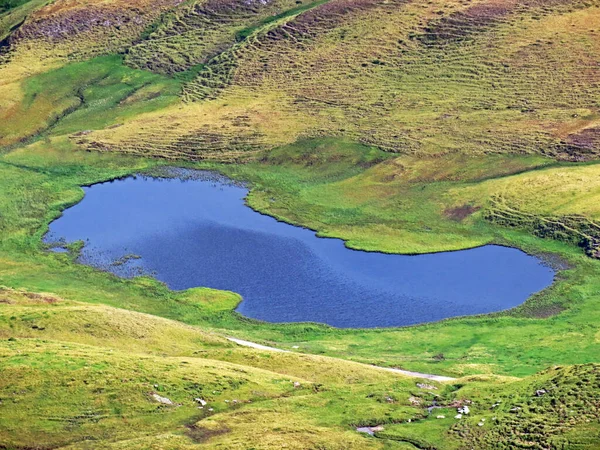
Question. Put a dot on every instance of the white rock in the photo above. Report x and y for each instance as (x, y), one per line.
(480, 424)
(295, 346)
(441, 417)
(163, 400)
(201, 401)
(458, 416)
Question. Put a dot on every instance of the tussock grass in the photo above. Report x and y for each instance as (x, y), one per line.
(367, 71)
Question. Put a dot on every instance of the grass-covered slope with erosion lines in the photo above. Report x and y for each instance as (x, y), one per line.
(408, 76)
(404, 126)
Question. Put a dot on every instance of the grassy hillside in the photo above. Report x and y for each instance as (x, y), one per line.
(404, 126)
(411, 77)
(82, 376)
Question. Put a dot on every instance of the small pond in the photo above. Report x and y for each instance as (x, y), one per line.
(197, 231)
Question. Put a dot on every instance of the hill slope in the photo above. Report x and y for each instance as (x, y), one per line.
(130, 390)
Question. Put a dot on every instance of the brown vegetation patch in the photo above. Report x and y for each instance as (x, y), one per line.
(53, 24)
(463, 24)
(14, 296)
(546, 311)
(200, 434)
(585, 144)
(459, 213)
(324, 17)
(86, 28)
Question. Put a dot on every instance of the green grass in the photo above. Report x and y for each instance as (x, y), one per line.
(7, 5)
(14, 12)
(71, 393)
(85, 96)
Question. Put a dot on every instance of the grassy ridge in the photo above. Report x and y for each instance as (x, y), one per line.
(7, 5)
(103, 394)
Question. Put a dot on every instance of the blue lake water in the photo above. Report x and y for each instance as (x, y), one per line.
(198, 232)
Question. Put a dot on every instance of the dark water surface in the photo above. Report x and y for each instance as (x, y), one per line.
(199, 233)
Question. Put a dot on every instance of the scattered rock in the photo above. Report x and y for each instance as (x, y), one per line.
(370, 430)
(163, 400)
(297, 384)
(425, 386)
(458, 416)
(295, 346)
(464, 410)
(540, 392)
(441, 417)
(201, 401)
(480, 424)
(414, 401)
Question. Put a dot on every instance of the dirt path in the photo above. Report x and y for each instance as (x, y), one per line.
(407, 373)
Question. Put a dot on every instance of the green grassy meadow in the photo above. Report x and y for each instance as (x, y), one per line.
(397, 126)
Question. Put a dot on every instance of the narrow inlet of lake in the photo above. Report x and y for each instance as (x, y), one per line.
(198, 232)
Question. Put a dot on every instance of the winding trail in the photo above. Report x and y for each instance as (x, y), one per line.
(407, 373)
